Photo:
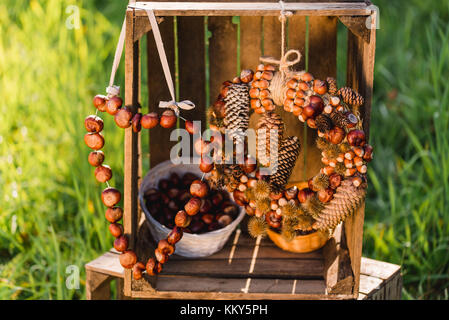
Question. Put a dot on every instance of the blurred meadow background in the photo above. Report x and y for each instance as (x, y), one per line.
(51, 215)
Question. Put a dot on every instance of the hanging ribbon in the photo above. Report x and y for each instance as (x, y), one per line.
(173, 104)
(113, 90)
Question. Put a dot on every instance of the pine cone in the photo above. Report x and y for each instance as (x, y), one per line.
(332, 84)
(269, 121)
(323, 123)
(288, 154)
(350, 97)
(237, 111)
(346, 201)
(339, 119)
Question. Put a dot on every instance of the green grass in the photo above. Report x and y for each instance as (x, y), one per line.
(51, 216)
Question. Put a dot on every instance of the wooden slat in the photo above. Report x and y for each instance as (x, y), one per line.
(160, 143)
(378, 269)
(108, 264)
(97, 286)
(252, 8)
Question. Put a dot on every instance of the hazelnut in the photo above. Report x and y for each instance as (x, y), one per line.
(362, 169)
(282, 202)
(254, 93)
(350, 155)
(356, 137)
(199, 189)
(299, 102)
(121, 243)
(96, 158)
(320, 86)
(192, 207)
(149, 120)
(103, 173)
(165, 247)
(182, 219)
(358, 161)
(168, 119)
(325, 195)
(359, 151)
(128, 259)
(348, 163)
(94, 140)
(136, 122)
(350, 172)
(100, 102)
(123, 118)
(93, 123)
(137, 270)
(114, 214)
(255, 103)
(297, 111)
(307, 77)
(304, 194)
(356, 181)
(113, 105)
(328, 170)
(328, 109)
(334, 180)
(175, 235)
(303, 86)
(336, 135)
(246, 75)
(291, 93)
(276, 195)
(110, 196)
(152, 267)
(334, 101)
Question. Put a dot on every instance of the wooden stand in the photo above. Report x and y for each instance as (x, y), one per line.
(331, 273)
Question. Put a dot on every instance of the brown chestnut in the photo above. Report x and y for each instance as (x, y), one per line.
(206, 206)
(168, 119)
(113, 105)
(335, 180)
(192, 207)
(123, 118)
(110, 196)
(239, 197)
(100, 102)
(207, 218)
(103, 173)
(175, 235)
(152, 267)
(114, 214)
(93, 123)
(192, 127)
(336, 135)
(250, 165)
(116, 229)
(317, 104)
(121, 243)
(160, 256)
(199, 189)
(217, 199)
(165, 247)
(137, 270)
(224, 220)
(94, 140)
(182, 219)
(368, 154)
(96, 158)
(128, 259)
(149, 120)
(304, 194)
(136, 122)
(206, 164)
(356, 137)
(325, 195)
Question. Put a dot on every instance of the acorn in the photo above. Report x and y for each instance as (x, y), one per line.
(356, 137)
(336, 135)
(152, 267)
(199, 189)
(175, 235)
(168, 119)
(254, 93)
(116, 229)
(103, 173)
(121, 243)
(246, 75)
(334, 180)
(160, 256)
(137, 270)
(96, 158)
(94, 140)
(100, 102)
(192, 207)
(93, 123)
(165, 247)
(114, 214)
(206, 164)
(110, 196)
(136, 122)
(123, 118)
(304, 194)
(128, 259)
(303, 86)
(149, 120)
(320, 86)
(325, 195)
(113, 105)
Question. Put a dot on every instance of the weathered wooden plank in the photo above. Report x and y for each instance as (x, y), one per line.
(369, 284)
(108, 264)
(252, 8)
(97, 286)
(378, 269)
(160, 143)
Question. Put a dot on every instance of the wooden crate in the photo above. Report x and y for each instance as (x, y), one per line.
(336, 268)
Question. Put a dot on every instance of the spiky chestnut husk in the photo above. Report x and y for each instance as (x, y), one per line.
(261, 190)
(288, 232)
(290, 211)
(257, 227)
(340, 168)
(249, 194)
(332, 151)
(304, 222)
(313, 206)
(322, 143)
(320, 181)
(263, 205)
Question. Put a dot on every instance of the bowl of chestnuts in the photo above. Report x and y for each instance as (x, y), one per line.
(209, 220)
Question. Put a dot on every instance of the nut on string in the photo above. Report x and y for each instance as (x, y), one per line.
(176, 106)
(113, 91)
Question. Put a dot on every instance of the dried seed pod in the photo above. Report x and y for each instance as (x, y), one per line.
(257, 227)
(103, 173)
(93, 123)
(94, 140)
(320, 182)
(100, 102)
(128, 259)
(121, 243)
(149, 120)
(113, 105)
(323, 123)
(175, 235)
(96, 158)
(350, 97)
(110, 196)
(137, 270)
(114, 214)
(168, 119)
